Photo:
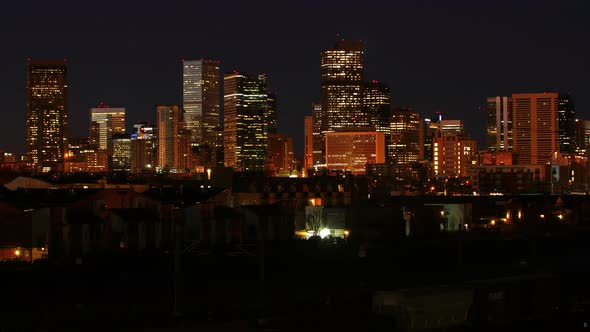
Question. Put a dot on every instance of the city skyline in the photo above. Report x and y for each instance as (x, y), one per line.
(455, 82)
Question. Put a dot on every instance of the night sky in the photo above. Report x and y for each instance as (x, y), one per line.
(436, 55)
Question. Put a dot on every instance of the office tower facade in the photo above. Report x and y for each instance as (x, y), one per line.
(404, 143)
(452, 127)
(351, 151)
(270, 116)
(535, 127)
(121, 157)
(105, 122)
(566, 122)
(201, 95)
(307, 142)
(376, 105)
(430, 128)
(246, 107)
(143, 147)
(499, 127)
(582, 137)
(47, 114)
(319, 130)
(186, 159)
(453, 154)
(342, 82)
(280, 154)
(169, 123)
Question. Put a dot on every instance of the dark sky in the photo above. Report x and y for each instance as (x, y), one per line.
(435, 55)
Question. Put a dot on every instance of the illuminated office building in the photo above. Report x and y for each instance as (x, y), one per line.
(453, 155)
(535, 126)
(351, 151)
(143, 148)
(429, 130)
(341, 92)
(121, 157)
(499, 128)
(270, 117)
(169, 123)
(566, 122)
(582, 137)
(318, 134)
(47, 114)
(307, 142)
(201, 93)
(452, 127)
(405, 140)
(105, 123)
(246, 107)
(376, 105)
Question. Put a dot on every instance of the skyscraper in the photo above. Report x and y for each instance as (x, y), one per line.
(143, 148)
(169, 123)
(105, 123)
(47, 114)
(566, 121)
(499, 128)
(535, 126)
(318, 139)
(404, 143)
(201, 93)
(307, 142)
(270, 116)
(341, 92)
(121, 157)
(246, 107)
(376, 105)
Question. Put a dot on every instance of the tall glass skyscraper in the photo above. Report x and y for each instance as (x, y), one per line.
(47, 115)
(341, 95)
(499, 129)
(169, 124)
(201, 95)
(246, 107)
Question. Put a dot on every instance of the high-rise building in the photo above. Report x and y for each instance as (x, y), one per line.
(105, 122)
(186, 158)
(499, 128)
(280, 154)
(307, 142)
(376, 105)
(121, 157)
(318, 139)
(452, 127)
(143, 147)
(453, 154)
(429, 130)
(351, 151)
(47, 114)
(246, 107)
(566, 121)
(582, 137)
(270, 117)
(201, 95)
(169, 123)
(405, 137)
(342, 82)
(341, 93)
(535, 127)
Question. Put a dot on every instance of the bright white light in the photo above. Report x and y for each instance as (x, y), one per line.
(324, 232)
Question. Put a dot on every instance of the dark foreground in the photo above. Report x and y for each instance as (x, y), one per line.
(304, 285)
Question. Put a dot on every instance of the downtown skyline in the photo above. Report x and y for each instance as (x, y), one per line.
(440, 69)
